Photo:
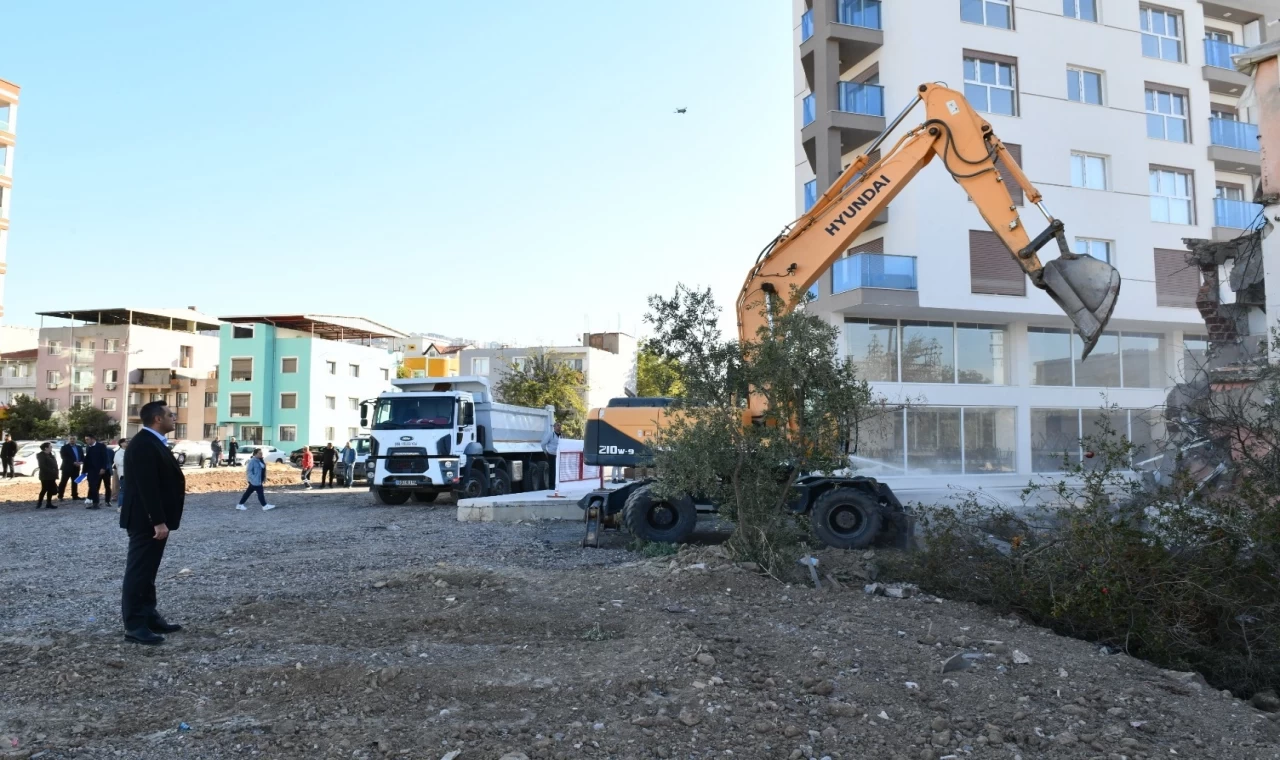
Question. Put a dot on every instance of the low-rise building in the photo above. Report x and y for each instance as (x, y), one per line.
(17, 375)
(607, 362)
(433, 359)
(119, 359)
(290, 380)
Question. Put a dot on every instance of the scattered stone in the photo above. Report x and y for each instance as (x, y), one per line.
(1020, 659)
(823, 688)
(706, 660)
(1266, 700)
(1066, 739)
(791, 732)
(901, 590)
(515, 756)
(689, 717)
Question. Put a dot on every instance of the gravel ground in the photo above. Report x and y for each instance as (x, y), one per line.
(331, 628)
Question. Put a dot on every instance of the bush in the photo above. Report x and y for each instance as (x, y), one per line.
(1180, 575)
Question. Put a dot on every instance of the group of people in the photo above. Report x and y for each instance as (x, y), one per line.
(94, 463)
(330, 458)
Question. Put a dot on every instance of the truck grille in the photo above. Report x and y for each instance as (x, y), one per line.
(406, 460)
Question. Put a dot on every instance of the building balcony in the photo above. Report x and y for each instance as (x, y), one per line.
(1231, 217)
(1219, 71)
(873, 270)
(1233, 147)
(809, 110)
(134, 410)
(853, 25)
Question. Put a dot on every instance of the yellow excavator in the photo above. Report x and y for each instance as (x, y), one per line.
(849, 512)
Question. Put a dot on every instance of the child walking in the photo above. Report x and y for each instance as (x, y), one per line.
(256, 473)
(308, 464)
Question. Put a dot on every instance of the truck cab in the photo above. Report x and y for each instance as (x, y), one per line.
(441, 435)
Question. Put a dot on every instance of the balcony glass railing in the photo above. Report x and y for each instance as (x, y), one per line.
(1218, 54)
(862, 98)
(4, 126)
(810, 110)
(810, 194)
(806, 26)
(1233, 134)
(864, 13)
(874, 270)
(1235, 214)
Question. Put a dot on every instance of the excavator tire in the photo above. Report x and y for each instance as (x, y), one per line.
(656, 520)
(391, 496)
(846, 518)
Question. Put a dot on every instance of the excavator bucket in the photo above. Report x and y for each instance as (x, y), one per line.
(1086, 288)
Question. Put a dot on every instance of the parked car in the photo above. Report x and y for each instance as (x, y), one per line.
(295, 456)
(270, 454)
(199, 453)
(358, 472)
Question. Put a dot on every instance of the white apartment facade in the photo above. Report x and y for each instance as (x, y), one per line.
(8, 126)
(1124, 117)
(17, 375)
(607, 362)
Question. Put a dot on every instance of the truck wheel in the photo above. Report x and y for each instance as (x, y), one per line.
(501, 482)
(472, 485)
(391, 496)
(537, 477)
(657, 520)
(425, 497)
(846, 518)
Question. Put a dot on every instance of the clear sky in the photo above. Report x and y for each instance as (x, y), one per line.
(501, 170)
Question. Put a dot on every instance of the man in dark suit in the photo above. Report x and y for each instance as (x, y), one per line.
(71, 459)
(8, 450)
(97, 468)
(151, 507)
(328, 458)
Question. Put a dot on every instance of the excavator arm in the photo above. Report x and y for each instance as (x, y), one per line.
(1085, 288)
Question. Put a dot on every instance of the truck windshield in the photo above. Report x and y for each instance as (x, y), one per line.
(361, 445)
(420, 412)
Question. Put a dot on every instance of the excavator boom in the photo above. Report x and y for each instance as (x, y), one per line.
(1085, 288)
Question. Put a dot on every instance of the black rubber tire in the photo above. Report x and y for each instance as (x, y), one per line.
(658, 521)
(473, 485)
(846, 518)
(425, 497)
(501, 484)
(393, 497)
(201, 462)
(534, 480)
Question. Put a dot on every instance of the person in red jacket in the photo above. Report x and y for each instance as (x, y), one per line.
(308, 464)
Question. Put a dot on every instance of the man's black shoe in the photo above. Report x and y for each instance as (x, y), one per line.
(51, 506)
(160, 625)
(143, 636)
(93, 506)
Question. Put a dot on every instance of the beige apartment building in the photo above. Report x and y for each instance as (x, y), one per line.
(8, 125)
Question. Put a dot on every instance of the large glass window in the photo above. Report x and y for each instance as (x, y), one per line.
(1085, 10)
(933, 440)
(1143, 357)
(1161, 33)
(1194, 350)
(980, 354)
(872, 346)
(928, 352)
(878, 445)
(1170, 196)
(990, 86)
(997, 13)
(989, 444)
(1084, 86)
(1088, 171)
(1055, 439)
(1167, 116)
(1098, 249)
(1102, 368)
(1049, 350)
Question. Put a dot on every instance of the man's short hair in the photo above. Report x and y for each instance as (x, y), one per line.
(89, 435)
(123, 441)
(46, 445)
(150, 411)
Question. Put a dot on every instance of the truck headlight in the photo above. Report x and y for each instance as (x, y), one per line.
(449, 470)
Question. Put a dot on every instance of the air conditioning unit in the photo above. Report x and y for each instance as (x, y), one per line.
(110, 386)
(53, 386)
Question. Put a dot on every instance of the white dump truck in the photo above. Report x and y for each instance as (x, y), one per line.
(437, 435)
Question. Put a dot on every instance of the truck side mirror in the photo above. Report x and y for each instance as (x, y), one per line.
(364, 415)
(468, 413)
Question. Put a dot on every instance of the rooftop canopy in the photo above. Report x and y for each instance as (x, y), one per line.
(184, 320)
(327, 326)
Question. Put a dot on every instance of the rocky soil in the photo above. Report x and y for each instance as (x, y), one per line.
(333, 628)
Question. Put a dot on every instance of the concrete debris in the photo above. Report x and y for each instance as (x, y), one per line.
(1020, 659)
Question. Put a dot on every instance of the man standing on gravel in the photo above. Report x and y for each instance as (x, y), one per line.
(551, 447)
(216, 448)
(97, 468)
(8, 450)
(151, 507)
(328, 458)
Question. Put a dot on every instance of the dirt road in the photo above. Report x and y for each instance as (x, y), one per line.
(332, 628)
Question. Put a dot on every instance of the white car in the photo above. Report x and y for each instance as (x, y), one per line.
(270, 454)
(198, 453)
(24, 463)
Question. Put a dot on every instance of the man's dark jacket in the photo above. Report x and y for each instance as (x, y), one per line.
(67, 452)
(97, 458)
(157, 487)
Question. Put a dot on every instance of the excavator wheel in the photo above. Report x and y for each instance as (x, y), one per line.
(656, 520)
(846, 518)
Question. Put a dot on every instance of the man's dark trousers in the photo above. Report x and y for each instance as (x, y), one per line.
(95, 482)
(138, 595)
(69, 473)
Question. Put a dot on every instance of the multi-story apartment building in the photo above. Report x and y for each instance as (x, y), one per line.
(607, 362)
(17, 375)
(290, 380)
(1125, 115)
(120, 359)
(8, 125)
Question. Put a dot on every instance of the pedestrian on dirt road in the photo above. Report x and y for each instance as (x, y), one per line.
(551, 447)
(152, 508)
(8, 450)
(256, 473)
(216, 447)
(97, 468)
(348, 465)
(71, 459)
(232, 448)
(47, 469)
(117, 468)
(328, 458)
(308, 464)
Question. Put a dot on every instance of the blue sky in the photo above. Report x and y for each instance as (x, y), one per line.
(508, 171)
